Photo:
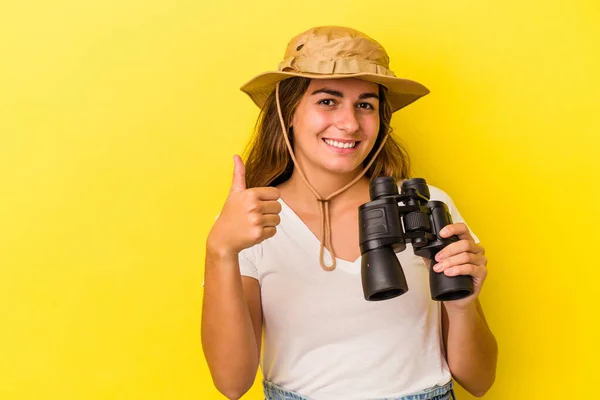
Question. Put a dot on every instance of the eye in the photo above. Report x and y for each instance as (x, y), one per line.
(367, 106)
(326, 102)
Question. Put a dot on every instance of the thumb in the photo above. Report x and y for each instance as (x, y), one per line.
(239, 175)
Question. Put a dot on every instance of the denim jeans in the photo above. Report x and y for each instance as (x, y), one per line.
(274, 392)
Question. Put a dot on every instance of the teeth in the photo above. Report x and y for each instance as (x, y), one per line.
(340, 145)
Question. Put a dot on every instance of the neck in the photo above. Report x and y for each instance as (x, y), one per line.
(325, 183)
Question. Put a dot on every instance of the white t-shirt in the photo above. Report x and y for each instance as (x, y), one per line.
(323, 340)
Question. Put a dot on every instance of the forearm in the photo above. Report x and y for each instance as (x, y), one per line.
(228, 336)
(471, 348)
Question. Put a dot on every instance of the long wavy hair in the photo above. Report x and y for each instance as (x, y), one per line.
(268, 161)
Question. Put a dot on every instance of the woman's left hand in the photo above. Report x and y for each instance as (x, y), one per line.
(463, 257)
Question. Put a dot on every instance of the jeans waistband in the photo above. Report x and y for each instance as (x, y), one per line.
(445, 392)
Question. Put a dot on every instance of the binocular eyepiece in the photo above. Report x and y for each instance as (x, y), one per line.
(384, 229)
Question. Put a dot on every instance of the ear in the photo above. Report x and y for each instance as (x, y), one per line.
(293, 119)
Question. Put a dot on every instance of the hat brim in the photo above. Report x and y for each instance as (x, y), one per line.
(402, 92)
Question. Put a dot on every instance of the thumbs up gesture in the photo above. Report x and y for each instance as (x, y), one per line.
(249, 216)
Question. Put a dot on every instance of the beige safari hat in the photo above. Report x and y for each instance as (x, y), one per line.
(334, 52)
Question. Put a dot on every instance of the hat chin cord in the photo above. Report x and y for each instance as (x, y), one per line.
(324, 216)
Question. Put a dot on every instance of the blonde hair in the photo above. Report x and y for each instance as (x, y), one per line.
(268, 161)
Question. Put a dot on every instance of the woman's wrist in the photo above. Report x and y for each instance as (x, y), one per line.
(463, 310)
(216, 251)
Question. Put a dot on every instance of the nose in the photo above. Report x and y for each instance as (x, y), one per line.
(346, 120)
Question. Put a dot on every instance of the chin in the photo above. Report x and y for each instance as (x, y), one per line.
(343, 169)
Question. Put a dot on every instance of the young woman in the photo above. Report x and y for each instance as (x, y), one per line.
(283, 256)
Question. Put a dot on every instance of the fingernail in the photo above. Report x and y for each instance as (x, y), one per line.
(450, 270)
(439, 257)
(443, 231)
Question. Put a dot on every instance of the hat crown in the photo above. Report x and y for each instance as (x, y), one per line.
(335, 52)
(317, 50)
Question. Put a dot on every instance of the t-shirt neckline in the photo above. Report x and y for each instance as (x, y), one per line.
(307, 234)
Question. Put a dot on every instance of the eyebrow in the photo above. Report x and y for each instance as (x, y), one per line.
(341, 95)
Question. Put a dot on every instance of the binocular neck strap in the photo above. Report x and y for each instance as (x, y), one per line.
(325, 220)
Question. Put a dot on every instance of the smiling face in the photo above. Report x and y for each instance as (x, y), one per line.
(336, 125)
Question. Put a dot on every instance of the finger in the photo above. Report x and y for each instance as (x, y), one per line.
(270, 207)
(459, 259)
(266, 193)
(459, 229)
(238, 183)
(269, 231)
(467, 269)
(459, 247)
(271, 220)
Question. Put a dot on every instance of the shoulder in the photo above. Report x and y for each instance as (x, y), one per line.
(436, 193)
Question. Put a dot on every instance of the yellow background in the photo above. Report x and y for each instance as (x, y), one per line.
(118, 121)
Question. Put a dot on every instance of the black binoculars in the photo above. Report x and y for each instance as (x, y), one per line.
(384, 229)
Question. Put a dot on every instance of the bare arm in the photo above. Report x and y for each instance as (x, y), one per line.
(231, 325)
(231, 308)
(471, 348)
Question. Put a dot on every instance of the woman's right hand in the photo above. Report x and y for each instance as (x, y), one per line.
(249, 216)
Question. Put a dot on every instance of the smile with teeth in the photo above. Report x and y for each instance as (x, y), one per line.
(340, 145)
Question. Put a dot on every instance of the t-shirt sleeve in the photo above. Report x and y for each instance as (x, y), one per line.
(454, 212)
(248, 262)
